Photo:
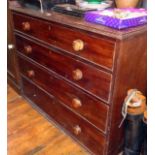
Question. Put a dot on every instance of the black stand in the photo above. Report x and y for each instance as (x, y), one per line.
(134, 134)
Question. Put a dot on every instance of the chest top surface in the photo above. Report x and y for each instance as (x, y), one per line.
(81, 24)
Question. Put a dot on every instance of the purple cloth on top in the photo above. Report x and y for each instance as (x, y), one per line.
(117, 23)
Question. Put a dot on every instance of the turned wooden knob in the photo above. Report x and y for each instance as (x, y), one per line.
(30, 73)
(26, 26)
(11, 46)
(77, 74)
(76, 103)
(78, 45)
(77, 130)
(28, 49)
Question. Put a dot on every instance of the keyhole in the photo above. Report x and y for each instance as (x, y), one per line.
(49, 52)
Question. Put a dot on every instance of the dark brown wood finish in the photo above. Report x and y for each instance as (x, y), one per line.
(75, 61)
(133, 56)
(67, 94)
(101, 53)
(77, 127)
(79, 23)
(69, 68)
(12, 67)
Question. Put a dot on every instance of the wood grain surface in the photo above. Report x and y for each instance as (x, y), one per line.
(29, 133)
(12, 65)
(99, 50)
(127, 59)
(80, 23)
(66, 93)
(90, 81)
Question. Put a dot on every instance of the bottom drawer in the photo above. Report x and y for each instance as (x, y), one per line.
(79, 129)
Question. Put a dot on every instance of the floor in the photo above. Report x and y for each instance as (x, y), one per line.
(29, 133)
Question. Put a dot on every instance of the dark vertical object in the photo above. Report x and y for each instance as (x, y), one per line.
(145, 132)
(134, 134)
(134, 125)
(145, 4)
(145, 139)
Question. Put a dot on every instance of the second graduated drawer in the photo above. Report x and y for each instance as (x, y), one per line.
(85, 105)
(93, 80)
(91, 47)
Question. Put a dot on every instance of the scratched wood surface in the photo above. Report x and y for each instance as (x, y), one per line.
(29, 133)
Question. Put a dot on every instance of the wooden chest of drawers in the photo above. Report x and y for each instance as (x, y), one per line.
(77, 74)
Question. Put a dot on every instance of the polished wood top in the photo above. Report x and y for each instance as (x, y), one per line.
(81, 24)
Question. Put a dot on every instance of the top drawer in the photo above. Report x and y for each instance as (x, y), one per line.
(98, 50)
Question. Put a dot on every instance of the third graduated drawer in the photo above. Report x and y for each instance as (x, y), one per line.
(85, 76)
(91, 109)
(90, 47)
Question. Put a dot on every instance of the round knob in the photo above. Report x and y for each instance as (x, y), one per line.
(31, 73)
(78, 45)
(26, 26)
(28, 49)
(11, 46)
(77, 74)
(76, 103)
(34, 95)
(77, 130)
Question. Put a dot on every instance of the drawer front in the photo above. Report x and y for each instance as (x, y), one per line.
(76, 126)
(90, 108)
(87, 77)
(89, 47)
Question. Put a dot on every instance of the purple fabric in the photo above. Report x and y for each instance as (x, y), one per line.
(95, 17)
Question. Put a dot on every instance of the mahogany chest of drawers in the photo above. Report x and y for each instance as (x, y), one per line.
(77, 74)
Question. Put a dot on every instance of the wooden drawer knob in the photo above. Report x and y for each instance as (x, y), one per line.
(77, 130)
(26, 26)
(34, 95)
(77, 74)
(78, 45)
(30, 73)
(76, 103)
(11, 46)
(28, 49)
